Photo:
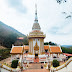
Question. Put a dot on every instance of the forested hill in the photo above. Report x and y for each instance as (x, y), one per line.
(6, 30)
(8, 35)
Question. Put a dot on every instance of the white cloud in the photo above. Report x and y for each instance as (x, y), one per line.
(50, 16)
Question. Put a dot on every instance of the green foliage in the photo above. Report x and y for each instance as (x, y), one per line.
(55, 63)
(4, 53)
(67, 50)
(10, 40)
(46, 43)
(49, 43)
(25, 41)
(8, 35)
(14, 64)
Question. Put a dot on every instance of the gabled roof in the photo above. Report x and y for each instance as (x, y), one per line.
(46, 47)
(17, 50)
(55, 49)
(26, 47)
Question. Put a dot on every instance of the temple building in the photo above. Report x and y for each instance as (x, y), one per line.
(36, 45)
(36, 37)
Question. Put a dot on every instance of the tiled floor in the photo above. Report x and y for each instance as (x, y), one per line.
(36, 66)
(36, 70)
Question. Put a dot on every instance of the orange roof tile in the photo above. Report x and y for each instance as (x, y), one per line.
(17, 50)
(46, 47)
(26, 47)
(55, 49)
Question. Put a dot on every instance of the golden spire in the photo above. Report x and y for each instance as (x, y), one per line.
(36, 25)
(36, 18)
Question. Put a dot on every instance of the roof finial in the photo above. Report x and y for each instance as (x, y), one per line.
(36, 18)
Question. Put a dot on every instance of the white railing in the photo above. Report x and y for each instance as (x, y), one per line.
(26, 61)
(62, 66)
(42, 60)
(5, 68)
(59, 59)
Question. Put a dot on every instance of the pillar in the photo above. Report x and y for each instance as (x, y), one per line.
(11, 58)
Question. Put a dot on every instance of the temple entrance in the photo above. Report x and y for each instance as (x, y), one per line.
(36, 59)
(36, 54)
(36, 49)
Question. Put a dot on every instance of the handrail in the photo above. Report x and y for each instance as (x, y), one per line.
(63, 65)
(8, 68)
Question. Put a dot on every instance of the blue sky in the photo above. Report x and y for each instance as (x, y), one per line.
(55, 19)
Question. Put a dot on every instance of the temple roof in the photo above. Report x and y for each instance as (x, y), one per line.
(36, 31)
(36, 26)
(55, 49)
(26, 47)
(17, 50)
(36, 34)
(46, 47)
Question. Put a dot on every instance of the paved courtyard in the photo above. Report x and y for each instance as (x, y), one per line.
(36, 70)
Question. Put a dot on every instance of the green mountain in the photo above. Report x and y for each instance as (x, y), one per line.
(9, 35)
(6, 30)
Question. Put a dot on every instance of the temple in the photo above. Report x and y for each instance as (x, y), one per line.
(36, 37)
(36, 55)
(36, 47)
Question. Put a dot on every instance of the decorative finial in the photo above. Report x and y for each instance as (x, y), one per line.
(36, 18)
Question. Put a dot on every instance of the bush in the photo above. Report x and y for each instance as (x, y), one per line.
(14, 64)
(55, 63)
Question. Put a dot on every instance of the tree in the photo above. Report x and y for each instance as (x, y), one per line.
(55, 63)
(9, 40)
(14, 64)
(46, 43)
(66, 50)
(51, 43)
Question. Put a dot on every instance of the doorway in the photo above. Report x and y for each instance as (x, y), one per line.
(36, 54)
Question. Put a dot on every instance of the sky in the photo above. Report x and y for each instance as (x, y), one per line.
(55, 19)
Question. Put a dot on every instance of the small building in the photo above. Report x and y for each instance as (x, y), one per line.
(16, 52)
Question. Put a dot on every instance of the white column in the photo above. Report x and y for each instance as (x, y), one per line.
(11, 58)
(58, 54)
(39, 46)
(51, 55)
(29, 46)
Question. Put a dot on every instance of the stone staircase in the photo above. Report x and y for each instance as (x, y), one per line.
(35, 66)
(36, 60)
(36, 70)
